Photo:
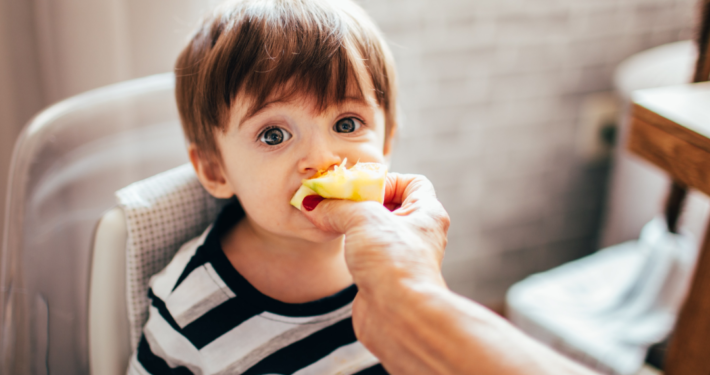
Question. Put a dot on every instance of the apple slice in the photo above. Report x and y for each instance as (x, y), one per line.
(361, 182)
(302, 192)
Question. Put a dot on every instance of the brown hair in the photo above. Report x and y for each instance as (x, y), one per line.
(254, 48)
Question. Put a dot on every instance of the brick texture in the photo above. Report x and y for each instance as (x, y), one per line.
(490, 92)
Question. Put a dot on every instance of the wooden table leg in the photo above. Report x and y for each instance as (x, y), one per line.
(689, 349)
(702, 68)
(674, 205)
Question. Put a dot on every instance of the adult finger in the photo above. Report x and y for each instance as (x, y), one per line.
(414, 194)
(341, 216)
(399, 187)
(407, 194)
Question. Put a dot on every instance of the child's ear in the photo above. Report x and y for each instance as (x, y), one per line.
(210, 173)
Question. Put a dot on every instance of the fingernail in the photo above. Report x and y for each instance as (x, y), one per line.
(311, 201)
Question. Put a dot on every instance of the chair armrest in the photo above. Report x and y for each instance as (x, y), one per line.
(109, 338)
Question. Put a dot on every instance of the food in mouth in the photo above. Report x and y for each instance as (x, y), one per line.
(361, 182)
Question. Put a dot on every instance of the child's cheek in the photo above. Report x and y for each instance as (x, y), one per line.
(371, 152)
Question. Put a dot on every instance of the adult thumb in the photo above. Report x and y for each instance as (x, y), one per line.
(342, 216)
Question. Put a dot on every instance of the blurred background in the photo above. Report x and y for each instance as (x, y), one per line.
(493, 94)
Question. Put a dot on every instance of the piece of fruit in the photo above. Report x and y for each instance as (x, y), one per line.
(361, 182)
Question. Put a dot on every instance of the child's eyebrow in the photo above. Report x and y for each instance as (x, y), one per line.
(256, 111)
(253, 112)
(368, 102)
(361, 100)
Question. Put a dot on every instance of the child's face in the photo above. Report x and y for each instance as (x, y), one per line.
(265, 157)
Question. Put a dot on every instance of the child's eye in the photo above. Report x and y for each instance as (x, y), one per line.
(347, 125)
(274, 136)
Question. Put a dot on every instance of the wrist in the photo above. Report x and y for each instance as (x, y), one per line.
(403, 298)
(402, 287)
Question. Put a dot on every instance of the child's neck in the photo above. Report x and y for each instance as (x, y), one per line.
(292, 271)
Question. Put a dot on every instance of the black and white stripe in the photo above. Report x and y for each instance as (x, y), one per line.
(205, 318)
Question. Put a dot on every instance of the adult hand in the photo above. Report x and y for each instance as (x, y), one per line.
(387, 248)
(404, 240)
(404, 313)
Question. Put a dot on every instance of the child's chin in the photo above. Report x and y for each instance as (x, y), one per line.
(305, 230)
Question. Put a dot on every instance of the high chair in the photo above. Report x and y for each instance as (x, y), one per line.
(134, 241)
(67, 164)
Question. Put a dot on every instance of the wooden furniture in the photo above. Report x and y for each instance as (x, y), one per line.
(702, 69)
(671, 128)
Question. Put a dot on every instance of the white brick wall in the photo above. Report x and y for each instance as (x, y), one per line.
(490, 90)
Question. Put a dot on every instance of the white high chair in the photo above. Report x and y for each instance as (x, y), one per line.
(67, 164)
(134, 241)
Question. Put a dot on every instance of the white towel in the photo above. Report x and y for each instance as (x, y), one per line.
(606, 309)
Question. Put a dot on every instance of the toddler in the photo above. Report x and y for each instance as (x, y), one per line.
(270, 92)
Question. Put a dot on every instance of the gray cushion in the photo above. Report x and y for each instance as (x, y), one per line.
(162, 212)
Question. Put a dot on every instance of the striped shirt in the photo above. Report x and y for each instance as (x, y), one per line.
(205, 318)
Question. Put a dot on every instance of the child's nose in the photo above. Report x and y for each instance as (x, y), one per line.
(318, 157)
